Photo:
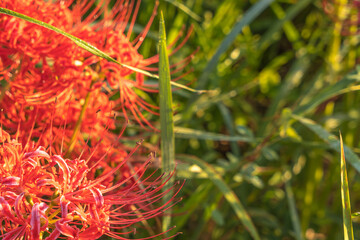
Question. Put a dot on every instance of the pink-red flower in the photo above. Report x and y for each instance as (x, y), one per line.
(63, 172)
(43, 68)
(46, 196)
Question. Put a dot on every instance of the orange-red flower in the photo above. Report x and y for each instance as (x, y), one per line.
(51, 91)
(41, 66)
(45, 196)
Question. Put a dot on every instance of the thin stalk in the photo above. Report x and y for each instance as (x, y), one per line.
(78, 123)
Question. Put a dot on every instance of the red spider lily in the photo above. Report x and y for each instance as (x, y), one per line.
(46, 196)
(48, 190)
(47, 86)
(46, 123)
(349, 17)
(41, 66)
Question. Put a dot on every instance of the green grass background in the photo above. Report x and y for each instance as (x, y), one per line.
(262, 148)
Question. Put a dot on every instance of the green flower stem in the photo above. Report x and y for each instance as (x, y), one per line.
(78, 123)
(53, 202)
(29, 199)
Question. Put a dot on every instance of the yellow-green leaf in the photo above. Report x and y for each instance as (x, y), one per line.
(166, 116)
(345, 197)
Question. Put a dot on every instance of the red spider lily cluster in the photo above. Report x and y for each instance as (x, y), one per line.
(56, 182)
(44, 196)
(348, 14)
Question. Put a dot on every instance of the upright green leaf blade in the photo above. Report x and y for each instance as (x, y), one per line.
(166, 116)
(345, 197)
(293, 211)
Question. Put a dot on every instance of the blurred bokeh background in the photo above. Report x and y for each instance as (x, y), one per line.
(263, 142)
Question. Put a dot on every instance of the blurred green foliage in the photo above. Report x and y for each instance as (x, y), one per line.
(261, 148)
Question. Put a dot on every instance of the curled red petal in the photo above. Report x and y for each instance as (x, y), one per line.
(42, 209)
(64, 207)
(39, 152)
(38, 212)
(44, 182)
(64, 228)
(10, 181)
(99, 199)
(91, 233)
(5, 211)
(35, 222)
(64, 167)
(32, 162)
(17, 206)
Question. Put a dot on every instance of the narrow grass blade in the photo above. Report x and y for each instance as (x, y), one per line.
(248, 17)
(331, 139)
(345, 197)
(175, 84)
(181, 132)
(229, 195)
(228, 120)
(185, 9)
(166, 116)
(191, 171)
(293, 212)
(333, 90)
